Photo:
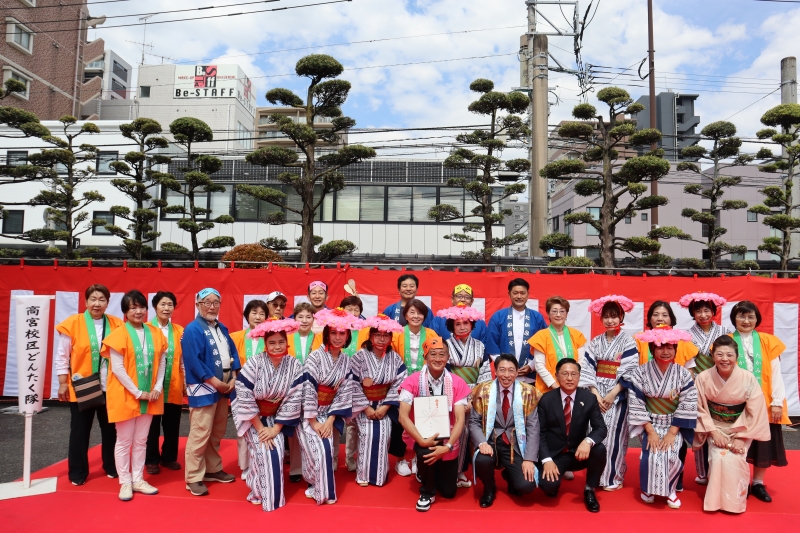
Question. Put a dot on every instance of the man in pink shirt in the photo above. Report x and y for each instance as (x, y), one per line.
(437, 458)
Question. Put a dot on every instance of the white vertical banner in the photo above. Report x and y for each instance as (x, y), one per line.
(115, 305)
(785, 328)
(298, 299)
(580, 318)
(532, 304)
(725, 319)
(634, 319)
(480, 305)
(10, 384)
(685, 320)
(151, 311)
(427, 301)
(33, 330)
(370, 302)
(66, 306)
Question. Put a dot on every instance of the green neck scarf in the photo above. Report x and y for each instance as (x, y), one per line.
(757, 357)
(169, 356)
(567, 343)
(351, 349)
(407, 349)
(144, 361)
(248, 346)
(299, 352)
(94, 342)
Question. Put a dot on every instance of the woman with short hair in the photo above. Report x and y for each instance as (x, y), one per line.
(554, 343)
(78, 356)
(730, 416)
(137, 353)
(760, 354)
(267, 404)
(164, 303)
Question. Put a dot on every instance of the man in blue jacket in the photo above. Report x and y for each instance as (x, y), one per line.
(212, 364)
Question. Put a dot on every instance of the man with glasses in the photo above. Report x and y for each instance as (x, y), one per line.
(462, 294)
(211, 362)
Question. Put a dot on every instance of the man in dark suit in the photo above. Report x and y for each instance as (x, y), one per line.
(501, 438)
(564, 446)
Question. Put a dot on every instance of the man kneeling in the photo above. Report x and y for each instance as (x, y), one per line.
(564, 446)
(504, 427)
(437, 459)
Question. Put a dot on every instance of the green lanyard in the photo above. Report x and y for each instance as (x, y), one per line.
(144, 362)
(567, 343)
(299, 353)
(169, 357)
(757, 357)
(248, 346)
(407, 350)
(93, 341)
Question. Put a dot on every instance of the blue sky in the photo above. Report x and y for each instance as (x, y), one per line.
(716, 45)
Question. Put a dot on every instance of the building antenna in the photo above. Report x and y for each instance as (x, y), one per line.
(144, 35)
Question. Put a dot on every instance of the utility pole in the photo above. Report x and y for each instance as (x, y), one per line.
(652, 74)
(537, 190)
(789, 96)
(144, 35)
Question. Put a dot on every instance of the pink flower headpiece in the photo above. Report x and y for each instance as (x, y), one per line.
(624, 302)
(662, 335)
(460, 312)
(338, 319)
(716, 299)
(383, 323)
(274, 325)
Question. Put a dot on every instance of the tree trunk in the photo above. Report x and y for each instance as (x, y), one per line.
(487, 205)
(607, 230)
(307, 218)
(193, 232)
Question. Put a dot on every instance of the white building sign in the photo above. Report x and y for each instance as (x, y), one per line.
(214, 81)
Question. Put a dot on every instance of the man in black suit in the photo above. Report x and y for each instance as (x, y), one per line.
(564, 418)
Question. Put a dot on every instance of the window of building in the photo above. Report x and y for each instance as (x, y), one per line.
(15, 158)
(244, 136)
(348, 204)
(751, 255)
(628, 220)
(104, 160)
(9, 73)
(95, 65)
(119, 71)
(14, 222)
(567, 227)
(423, 198)
(752, 217)
(705, 226)
(593, 253)
(554, 223)
(452, 196)
(106, 216)
(400, 204)
(595, 212)
(144, 91)
(372, 203)
(119, 89)
(644, 216)
(19, 36)
(176, 198)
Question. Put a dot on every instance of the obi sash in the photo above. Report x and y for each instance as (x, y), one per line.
(661, 406)
(703, 362)
(607, 369)
(325, 395)
(725, 413)
(376, 393)
(268, 408)
(467, 373)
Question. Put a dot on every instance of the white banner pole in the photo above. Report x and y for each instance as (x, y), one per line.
(26, 462)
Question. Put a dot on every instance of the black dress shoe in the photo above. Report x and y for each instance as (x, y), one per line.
(152, 469)
(590, 501)
(760, 492)
(174, 465)
(487, 499)
(295, 478)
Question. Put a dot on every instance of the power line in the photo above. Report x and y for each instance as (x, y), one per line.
(754, 103)
(668, 72)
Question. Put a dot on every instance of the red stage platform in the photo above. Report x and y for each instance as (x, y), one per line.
(95, 507)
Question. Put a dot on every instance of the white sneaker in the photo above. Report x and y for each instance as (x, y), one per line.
(673, 502)
(414, 465)
(463, 482)
(402, 468)
(125, 492)
(612, 488)
(569, 476)
(701, 480)
(648, 498)
(424, 503)
(244, 473)
(310, 493)
(144, 487)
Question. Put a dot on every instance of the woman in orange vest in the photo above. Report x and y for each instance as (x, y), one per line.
(164, 303)
(78, 356)
(255, 312)
(137, 352)
(760, 353)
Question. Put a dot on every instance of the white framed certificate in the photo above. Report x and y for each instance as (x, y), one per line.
(431, 416)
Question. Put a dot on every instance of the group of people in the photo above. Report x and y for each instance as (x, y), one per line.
(525, 395)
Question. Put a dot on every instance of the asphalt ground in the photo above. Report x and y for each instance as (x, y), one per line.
(51, 435)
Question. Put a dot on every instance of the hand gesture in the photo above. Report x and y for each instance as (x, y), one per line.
(486, 449)
(430, 442)
(437, 452)
(144, 397)
(155, 395)
(775, 414)
(653, 442)
(582, 453)
(529, 471)
(719, 439)
(667, 441)
(549, 471)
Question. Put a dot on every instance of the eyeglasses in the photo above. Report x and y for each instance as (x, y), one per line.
(210, 305)
(558, 311)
